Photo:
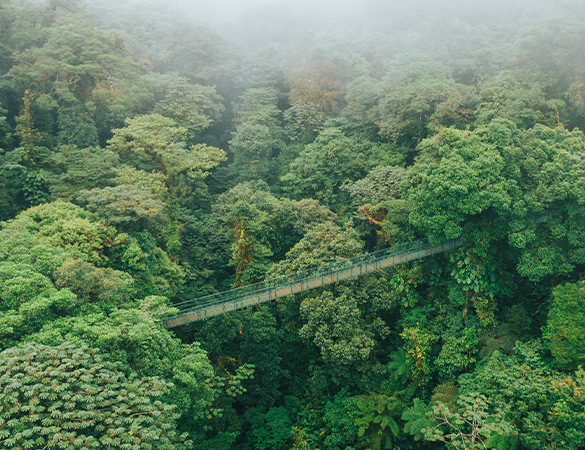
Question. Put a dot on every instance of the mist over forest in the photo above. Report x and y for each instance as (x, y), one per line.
(292, 225)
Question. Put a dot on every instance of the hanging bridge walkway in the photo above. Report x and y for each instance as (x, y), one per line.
(271, 289)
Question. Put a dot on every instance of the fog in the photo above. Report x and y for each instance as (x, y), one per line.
(257, 22)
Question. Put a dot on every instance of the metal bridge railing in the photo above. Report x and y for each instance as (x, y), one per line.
(244, 296)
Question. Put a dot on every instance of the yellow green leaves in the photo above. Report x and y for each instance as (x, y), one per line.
(28, 300)
(69, 396)
(153, 135)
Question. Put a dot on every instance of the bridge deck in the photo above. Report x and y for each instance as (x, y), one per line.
(290, 288)
(239, 298)
(243, 297)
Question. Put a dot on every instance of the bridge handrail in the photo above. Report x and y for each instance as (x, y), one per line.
(288, 280)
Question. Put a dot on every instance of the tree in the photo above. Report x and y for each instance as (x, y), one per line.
(456, 176)
(18, 245)
(273, 431)
(334, 325)
(420, 95)
(318, 82)
(75, 69)
(519, 97)
(5, 132)
(107, 288)
(565, 328)
(303, 121)
(362, 97)
(459, 348)
(258, 137)
(544, 406)
(78, 169)
(382, 183)
(376, 421)
(322, 243)
(527, 180)
(473, 426)
(326, 164)
(28, 301)
(22, 167)
(379, 199)
(192, 106)
(126, 205)
(131, 334)
(158, 139)
(340, 417)
(245, 211)
(64, 225)
(69, 397)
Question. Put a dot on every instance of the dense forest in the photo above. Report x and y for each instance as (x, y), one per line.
(146, 160)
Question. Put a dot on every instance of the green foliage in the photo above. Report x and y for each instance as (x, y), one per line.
(20, 246)
(362, 97)
(158, 139)
(417, 344)
(326, 164)
(274, 432)
(258, 136)
(80, 169)
(5, 132)
(498, 171)
(109, 288)
(417, 419)
(459, 348)
(473, 426)
(439, 119)
(245, 212)
(22, 176)
(501, 338)
(376, 422)
(456, 176)
(420, 96)
(333, 324)
(514, 95)
(303, 121)
(28, 301)
(566, 325)
(34, 189)
(76, 127)
(323, 243)
(59, 386)
(64, 225)
(382, 183)
(77, 67)
(132, 336)
(341, 416)
(545, 407)
(399, 365)
(125, 205)
(192, 106)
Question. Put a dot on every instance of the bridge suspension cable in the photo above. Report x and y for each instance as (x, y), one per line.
(271, 289)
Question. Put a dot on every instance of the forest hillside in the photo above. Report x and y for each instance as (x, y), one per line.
(154, 152)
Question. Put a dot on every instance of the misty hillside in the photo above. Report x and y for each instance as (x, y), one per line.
(161, 160)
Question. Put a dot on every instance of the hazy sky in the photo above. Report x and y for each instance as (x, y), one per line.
(222, 11)
(257, 22)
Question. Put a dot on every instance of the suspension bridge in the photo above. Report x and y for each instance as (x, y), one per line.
(271, 289)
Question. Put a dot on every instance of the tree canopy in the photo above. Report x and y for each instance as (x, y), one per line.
(154, 153)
